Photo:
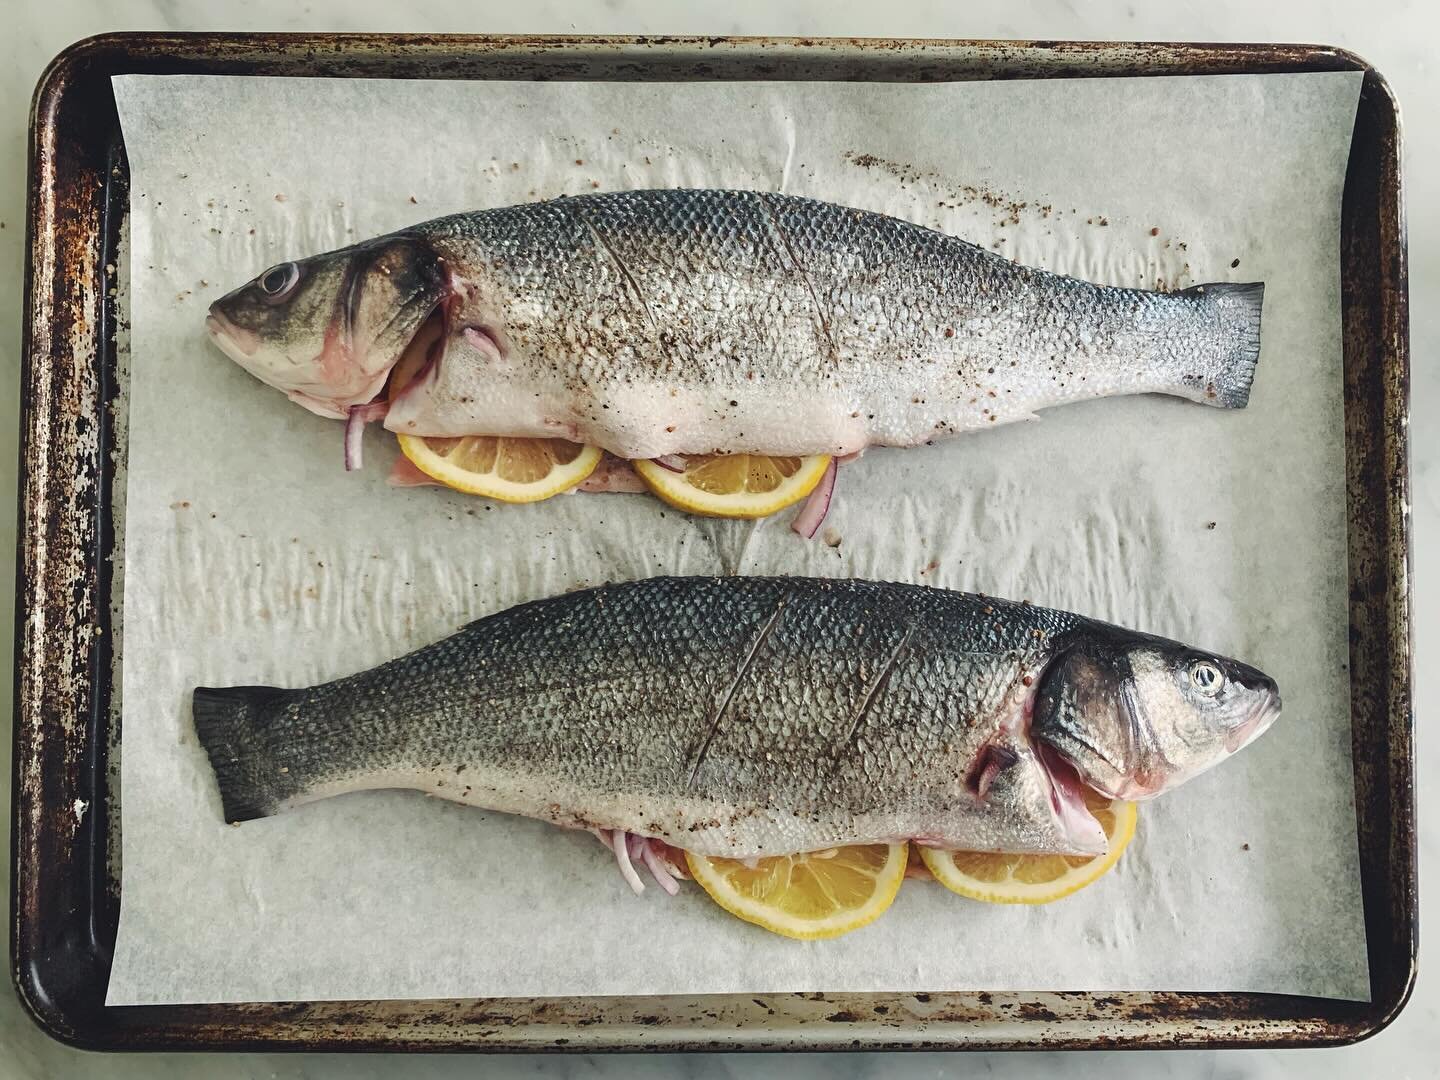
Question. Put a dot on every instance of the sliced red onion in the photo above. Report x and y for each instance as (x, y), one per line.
(672, 859)
(620, 841)
(404, 474)
(812, 514)
(673, 462)
(613, 474)
(355, 421)
(354, 436)
(658, 870)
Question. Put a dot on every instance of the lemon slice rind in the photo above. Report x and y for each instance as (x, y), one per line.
(713, 880)
(1012, 891)
(675, 489)
(561, 478)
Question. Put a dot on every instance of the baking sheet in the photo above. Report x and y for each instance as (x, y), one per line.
(251, 557)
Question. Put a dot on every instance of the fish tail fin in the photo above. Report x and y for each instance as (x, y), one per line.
(1237, 305)
(233, 724)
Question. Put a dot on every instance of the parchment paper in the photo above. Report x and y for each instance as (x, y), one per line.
(251, 557)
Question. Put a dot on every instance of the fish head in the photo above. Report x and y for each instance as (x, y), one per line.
(1136, 715)
(328, 329)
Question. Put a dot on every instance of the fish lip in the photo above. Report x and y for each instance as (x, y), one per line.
(234, 341)
(1265, 714)
(240, 345)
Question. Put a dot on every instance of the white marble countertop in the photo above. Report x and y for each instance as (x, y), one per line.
(1395, 35)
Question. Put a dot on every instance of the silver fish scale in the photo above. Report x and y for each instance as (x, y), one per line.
(626, 285)
(650, 323)
(918, 332)
(821, 700)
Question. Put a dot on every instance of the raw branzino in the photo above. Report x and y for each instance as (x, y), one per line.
(692, 322)
(758, 716)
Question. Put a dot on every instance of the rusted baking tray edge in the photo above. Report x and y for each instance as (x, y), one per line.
(65, 904)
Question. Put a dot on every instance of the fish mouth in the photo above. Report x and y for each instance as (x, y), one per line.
(234, 341)
(1067, 801)
(1260, 720)
(241, 346)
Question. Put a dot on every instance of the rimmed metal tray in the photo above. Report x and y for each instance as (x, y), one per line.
(66, 886)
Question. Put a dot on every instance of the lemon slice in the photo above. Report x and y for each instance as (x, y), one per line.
(822, 894)
(511, 470)
(734, 485)
(1034, 879)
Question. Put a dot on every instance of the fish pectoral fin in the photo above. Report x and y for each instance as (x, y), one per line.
(992, 760)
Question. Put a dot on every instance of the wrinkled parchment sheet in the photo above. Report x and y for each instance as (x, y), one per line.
(252, 557)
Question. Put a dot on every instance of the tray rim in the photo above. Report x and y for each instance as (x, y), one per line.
(62, 618)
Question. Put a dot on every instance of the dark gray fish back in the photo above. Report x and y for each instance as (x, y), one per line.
(809, 691)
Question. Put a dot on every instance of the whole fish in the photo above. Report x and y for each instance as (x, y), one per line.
(758, 716)
(652, 323)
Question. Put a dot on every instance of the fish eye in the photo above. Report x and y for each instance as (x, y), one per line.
(277, 282)
(1206, 677)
